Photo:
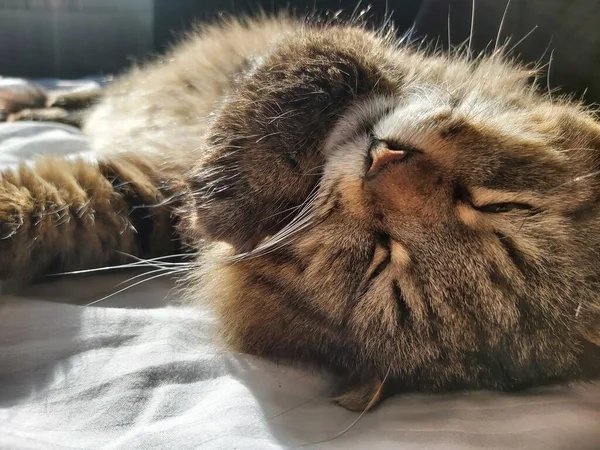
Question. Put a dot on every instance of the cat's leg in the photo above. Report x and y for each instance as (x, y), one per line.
(60, 215)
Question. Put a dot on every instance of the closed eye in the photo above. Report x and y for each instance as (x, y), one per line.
(498, 208)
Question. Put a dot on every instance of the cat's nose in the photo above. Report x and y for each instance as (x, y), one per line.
(381, 153)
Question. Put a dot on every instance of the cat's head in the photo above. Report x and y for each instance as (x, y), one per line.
(433, 216)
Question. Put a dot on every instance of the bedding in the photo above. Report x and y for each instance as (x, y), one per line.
(137, 371)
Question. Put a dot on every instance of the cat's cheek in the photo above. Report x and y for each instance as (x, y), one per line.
(356, 204)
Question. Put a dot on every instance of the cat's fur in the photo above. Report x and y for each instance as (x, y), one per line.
(260, 135)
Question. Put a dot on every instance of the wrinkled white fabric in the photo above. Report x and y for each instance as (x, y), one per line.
(136, 373)
(23, 141)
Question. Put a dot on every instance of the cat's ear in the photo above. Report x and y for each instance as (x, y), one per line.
(583, 130)
(264, 144)
(588, 316)
(577, 133)
(576, 129)
(593, 336)
(589, 323)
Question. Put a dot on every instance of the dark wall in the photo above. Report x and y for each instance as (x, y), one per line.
(569, 30)
(73, 38)
(172, 16)
(90, 37)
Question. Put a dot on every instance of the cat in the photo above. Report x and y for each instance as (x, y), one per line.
(403, 219)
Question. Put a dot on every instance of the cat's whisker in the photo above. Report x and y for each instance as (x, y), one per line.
(521, 40)
(283, 234)
(371, 403)
(161, 263)
(279, 238)
(422, 41)
(357, 15)
(576, 179)
(483, 53)
(128, 280)
(317, 170)
(288, 114)
(540, 65)
(501, 26)
(272, 245)
(293, 208)
(595, 150)
(293, 408)
(173, 272)
(387, 28)
(300, 222)
(449, 36)
(583, 177)
(159, 258)
(353, 15)
(167, 201)
(406, 39)
(548, 74)
(472, 28)
(133, 265)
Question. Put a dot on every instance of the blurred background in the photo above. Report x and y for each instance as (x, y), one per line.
(78, 38)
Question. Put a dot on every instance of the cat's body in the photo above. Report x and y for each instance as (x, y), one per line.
(430, 219)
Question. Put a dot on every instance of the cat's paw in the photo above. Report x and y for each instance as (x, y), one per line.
(12, 219)
(362, 396)
(11, 213)
(265, 144)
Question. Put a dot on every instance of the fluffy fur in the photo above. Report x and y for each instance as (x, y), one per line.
(469, 259)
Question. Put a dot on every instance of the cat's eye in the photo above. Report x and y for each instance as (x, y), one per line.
(503, 207)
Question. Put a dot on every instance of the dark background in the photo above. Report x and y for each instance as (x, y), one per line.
(75, 38)
(179, 14)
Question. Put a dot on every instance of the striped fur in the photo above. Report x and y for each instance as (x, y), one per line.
(469, 262)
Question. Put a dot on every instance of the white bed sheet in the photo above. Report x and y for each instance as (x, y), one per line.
(135, 372)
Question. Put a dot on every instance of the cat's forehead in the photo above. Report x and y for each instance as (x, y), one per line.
(430, 116)
(481, 140)
(422, 109)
